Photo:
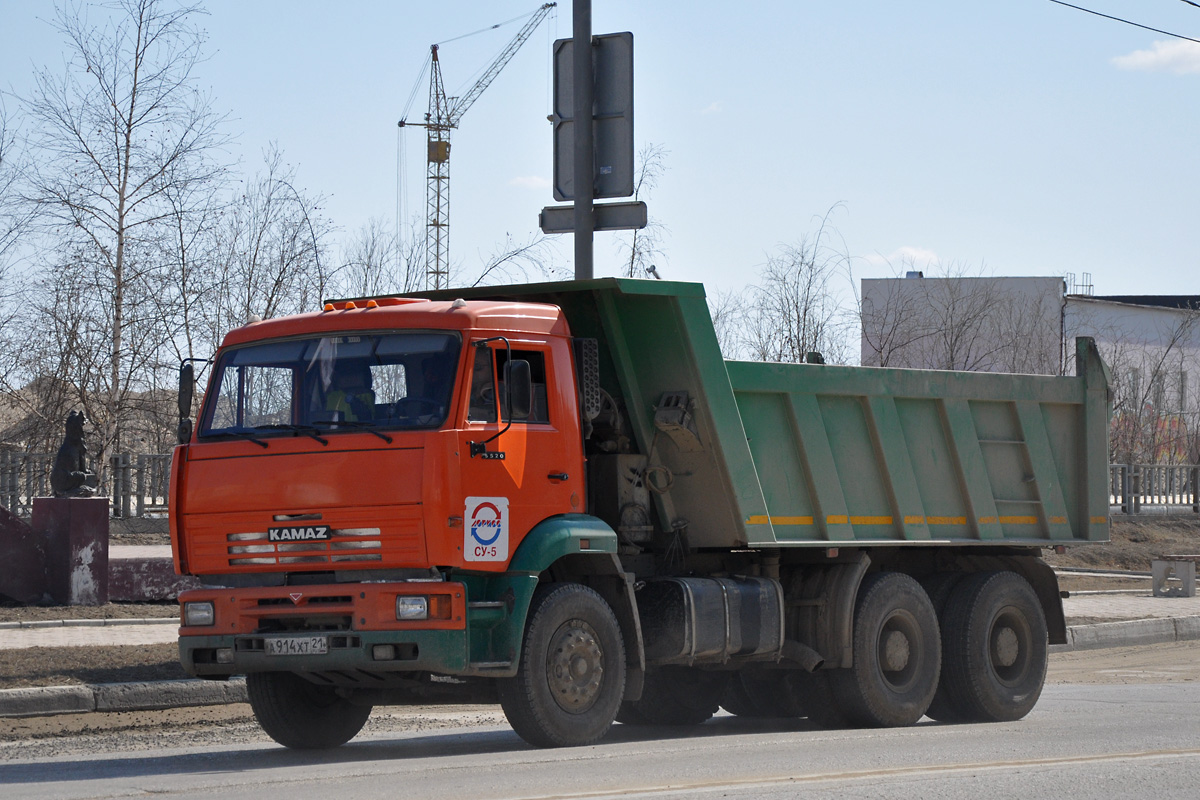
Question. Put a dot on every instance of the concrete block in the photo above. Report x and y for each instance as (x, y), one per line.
(136, 580)
(1122, 634)
(22, 560)
(74, 532)
(47, 701)
(167, 694)
(1173, 577)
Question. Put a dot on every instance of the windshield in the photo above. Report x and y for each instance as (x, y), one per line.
(331, 383)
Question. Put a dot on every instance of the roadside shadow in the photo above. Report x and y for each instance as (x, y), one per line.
(379, 747)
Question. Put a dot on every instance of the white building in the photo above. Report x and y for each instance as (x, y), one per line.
(1028, 324)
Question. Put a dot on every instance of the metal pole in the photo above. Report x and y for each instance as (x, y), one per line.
(582, 163)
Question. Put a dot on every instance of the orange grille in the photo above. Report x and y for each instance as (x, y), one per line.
(346, 545)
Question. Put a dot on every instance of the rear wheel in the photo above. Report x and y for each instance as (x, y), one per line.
(939, 587)
(996, 648)
(897, 654)
(302, 715)
(676, 696)
(571, 674)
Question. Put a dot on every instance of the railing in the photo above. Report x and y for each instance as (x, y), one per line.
(1157, 488)
(137, 485)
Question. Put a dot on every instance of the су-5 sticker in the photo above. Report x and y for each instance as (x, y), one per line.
(485, 532)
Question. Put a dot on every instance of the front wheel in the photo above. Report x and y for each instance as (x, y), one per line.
(571, 673)
(302, 715)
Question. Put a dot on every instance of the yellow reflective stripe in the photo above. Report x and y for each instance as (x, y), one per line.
(1058, 520)
(760, 519)
(870, 520)
(914, 520)
(1099, 520)
(987, 520)
(1018, 520)
(947, 520)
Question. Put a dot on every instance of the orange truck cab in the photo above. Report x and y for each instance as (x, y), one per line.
(562, 498)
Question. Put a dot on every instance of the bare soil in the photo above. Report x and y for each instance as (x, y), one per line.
(1135, 543)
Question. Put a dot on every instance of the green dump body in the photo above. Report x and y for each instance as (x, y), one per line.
(807, 455)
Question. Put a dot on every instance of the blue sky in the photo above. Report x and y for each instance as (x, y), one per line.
(1016, 137)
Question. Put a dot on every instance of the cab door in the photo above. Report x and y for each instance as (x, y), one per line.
(515, 471)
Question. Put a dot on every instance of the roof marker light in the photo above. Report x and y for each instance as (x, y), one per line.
(329, 306)
(372, 304)
(459, 303)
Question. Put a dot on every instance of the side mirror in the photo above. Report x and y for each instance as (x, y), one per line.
(519, 387)
(187, 386)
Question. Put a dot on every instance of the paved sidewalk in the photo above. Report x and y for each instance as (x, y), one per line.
(81, 633)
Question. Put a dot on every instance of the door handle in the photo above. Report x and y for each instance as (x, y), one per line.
(558, 476)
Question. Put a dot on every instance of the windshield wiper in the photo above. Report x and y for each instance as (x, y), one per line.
(242, 435)
(307, 430)
(369, 427)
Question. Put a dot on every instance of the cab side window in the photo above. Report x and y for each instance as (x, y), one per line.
(483, 387)
(539, 410)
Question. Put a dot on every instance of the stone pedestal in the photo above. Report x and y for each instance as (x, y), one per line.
(74, 532)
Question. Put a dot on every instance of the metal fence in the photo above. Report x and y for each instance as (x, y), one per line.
(1157, 488)
(137, 485)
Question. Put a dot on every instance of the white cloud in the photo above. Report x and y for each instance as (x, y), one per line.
(904, 258)
(530, 182)
(1175, 56)
(713, 108)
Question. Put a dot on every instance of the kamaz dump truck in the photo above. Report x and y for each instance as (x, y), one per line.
(561, 497)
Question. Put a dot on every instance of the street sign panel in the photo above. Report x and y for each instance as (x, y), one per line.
(606, 216)
(612, 64)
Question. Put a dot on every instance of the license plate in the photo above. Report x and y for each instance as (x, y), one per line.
(297, 646)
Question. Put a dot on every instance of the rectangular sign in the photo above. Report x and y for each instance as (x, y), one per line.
(485, 534)
(605, 217)
(612, 137)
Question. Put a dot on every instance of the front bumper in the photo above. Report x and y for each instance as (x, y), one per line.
(364, 642)
(350, 658)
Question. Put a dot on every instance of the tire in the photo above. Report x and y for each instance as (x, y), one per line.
(940, 587)
(996, 648)
(676, 696)
(897, 654)
(763, 694)
(571, 673)
(301, 715)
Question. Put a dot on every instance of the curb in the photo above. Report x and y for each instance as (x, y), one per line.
(157, 695)
(1130, 633)
(139, 696)
(87, 623)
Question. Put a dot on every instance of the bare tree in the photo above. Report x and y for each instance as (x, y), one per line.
(643, 247)
(728, 310)
(122, 127)
(378, 261)
(1153, 358)
(273, 245)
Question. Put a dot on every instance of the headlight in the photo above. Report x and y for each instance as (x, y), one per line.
(410, 607)
(199, 614)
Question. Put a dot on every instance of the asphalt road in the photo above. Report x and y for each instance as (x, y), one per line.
(1126, 724)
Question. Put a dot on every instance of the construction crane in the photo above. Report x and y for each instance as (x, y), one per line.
(442, 117)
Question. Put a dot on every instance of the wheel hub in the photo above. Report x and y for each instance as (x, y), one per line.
(1005, 647)
(575, 666)
(896, 651)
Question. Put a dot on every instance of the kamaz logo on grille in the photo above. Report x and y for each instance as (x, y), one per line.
(301, 533)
